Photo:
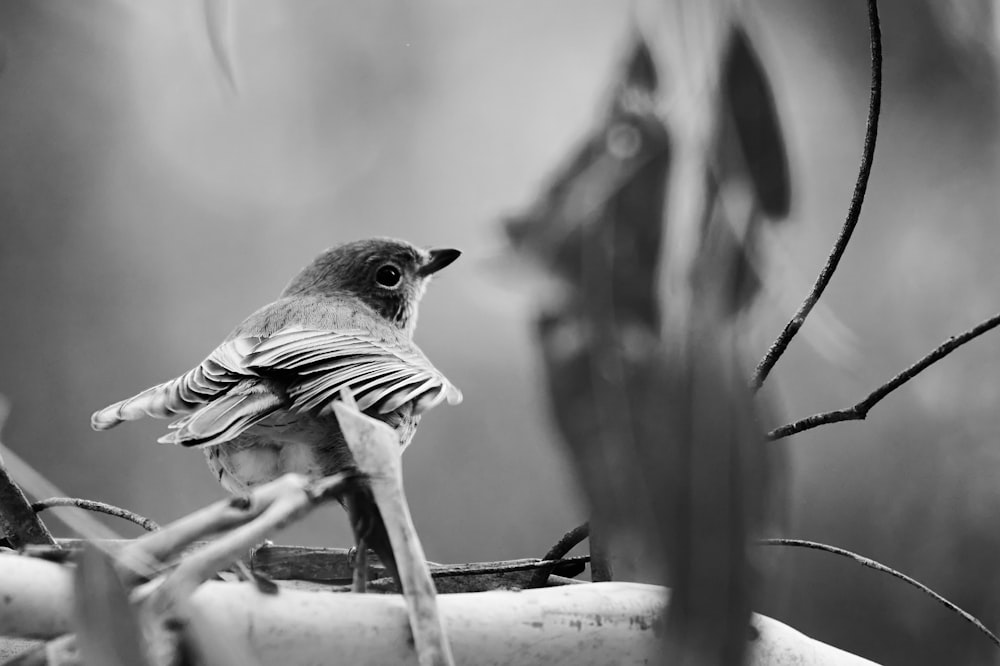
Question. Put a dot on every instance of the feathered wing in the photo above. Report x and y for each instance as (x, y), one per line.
(382, 375)
(242, 407)
(247, 379)
(212, 378)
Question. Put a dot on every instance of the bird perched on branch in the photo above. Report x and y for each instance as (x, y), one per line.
(260, 405)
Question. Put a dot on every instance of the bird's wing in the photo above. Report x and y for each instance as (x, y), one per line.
(212, 378)
(227, 416)
(383, 375)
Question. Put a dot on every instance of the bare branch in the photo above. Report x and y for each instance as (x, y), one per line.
(99, 507)
(878, 566)
(779, 346)
(859, 411)
(330, 568)
(506, 566)
(565, 544)
(484, 576)
(243, 523)
(586, 624)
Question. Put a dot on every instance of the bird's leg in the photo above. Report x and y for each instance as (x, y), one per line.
(360, 527)
(360, 582)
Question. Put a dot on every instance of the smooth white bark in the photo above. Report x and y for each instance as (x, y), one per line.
(578, 625)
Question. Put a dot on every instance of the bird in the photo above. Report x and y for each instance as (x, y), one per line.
(260, 405)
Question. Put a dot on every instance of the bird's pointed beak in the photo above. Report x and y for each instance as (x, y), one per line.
(437, 260)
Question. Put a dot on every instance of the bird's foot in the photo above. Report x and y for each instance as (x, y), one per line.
(253, 549)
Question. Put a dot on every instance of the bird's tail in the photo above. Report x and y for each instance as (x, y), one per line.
(215, 376)
(158, 402)
(366, 521)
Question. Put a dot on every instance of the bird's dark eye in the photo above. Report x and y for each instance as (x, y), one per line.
(388, 276)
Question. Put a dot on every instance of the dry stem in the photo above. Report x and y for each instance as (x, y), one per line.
(859, 411)
(779, 346)
(376, 452)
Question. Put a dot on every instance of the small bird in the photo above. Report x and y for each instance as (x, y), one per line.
(260, 405)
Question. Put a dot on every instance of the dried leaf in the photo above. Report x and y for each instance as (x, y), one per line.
(18, 521)
(107, 626)
(218, 28)
(659, 420)
(749, 99)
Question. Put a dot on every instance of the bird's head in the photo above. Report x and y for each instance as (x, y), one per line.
(388, 275)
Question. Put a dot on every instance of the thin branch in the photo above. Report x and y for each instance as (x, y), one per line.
(566, 543)
(878, 566)
(859, 411)
(506, 566)
(241, 522)
(779, 346)
(326, 565)
(99, 507)
(490, 576)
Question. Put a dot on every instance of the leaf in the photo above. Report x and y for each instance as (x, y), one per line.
(218, 28)
(18, 521)
(107, 626)
(748, 94)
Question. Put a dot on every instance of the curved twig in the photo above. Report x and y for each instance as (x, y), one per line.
(565, 544)
(99, 507)
(859, 411)
(780, 344)
(878, 566)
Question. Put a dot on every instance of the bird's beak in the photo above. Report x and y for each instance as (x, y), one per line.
(438, 260)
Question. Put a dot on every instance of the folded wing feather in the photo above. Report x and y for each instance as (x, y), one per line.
(218, 373)
(247, 379)
(382, 375)
(224, 418)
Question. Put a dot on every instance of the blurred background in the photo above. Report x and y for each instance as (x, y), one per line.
(146, 208)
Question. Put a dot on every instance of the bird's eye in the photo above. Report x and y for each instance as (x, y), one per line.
(388, 276)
